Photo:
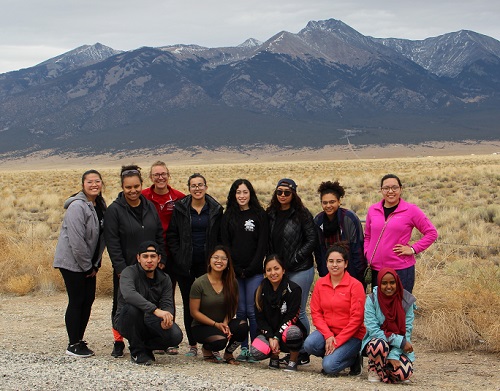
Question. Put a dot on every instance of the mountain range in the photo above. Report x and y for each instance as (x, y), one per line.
(325, 85)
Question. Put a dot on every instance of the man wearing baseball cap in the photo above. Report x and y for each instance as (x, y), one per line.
(145, 307)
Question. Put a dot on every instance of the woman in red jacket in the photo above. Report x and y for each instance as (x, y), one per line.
(337, 308)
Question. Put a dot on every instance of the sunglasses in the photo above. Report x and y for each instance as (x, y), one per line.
(286, 193)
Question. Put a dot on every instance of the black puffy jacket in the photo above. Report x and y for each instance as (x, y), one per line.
(299, 240)
(179, 241)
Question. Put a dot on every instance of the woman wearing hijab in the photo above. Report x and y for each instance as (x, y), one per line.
(389, 323)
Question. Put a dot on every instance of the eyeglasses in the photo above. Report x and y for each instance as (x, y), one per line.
(161, 175)
(286, 193)
(198, 186)
(219, 258)
(386, 189)
(96, 182)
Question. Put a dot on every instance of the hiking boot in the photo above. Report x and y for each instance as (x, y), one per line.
(75, 350)
(274, 363)
(118, 348)
(291, 367)
(141, 358)
(355, 369)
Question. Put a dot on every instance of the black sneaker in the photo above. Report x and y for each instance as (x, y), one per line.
(285, 359)
(151, 355)
(303, 359)
(76, 351)
(118, 348)
(355, 369)
(291, 367)
(141, 358)
(329, 374)
(274, 363)
(85, 348)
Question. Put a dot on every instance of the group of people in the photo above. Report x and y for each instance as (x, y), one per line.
(245, 273)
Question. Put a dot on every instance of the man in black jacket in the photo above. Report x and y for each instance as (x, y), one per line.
(145, 306)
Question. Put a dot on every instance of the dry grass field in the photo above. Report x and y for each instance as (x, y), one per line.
(458, 278)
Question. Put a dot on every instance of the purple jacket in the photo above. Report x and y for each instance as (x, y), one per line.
(398, 231)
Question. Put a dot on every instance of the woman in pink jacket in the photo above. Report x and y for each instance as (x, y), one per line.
(337, 311)
(388, 229)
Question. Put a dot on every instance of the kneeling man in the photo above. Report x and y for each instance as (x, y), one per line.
(145, 307)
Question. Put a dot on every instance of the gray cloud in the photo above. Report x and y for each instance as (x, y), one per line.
(35, 31)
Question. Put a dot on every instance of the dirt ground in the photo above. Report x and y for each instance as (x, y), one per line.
(35, 324)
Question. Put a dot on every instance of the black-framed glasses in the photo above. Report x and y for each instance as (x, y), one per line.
(286, 193)
(198, 186)
(161, 175)
(386, 189)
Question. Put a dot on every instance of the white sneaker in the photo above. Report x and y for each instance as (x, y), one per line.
(373, 377)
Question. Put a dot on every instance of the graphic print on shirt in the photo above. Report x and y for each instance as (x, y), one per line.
(250, 225)
(284, 308)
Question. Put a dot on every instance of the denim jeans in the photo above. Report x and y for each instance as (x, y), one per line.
(341, 358)
(304, 279)
(246, 302)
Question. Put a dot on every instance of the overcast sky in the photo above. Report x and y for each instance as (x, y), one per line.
(32, 31)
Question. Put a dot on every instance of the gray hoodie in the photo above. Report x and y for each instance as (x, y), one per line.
(79, 236)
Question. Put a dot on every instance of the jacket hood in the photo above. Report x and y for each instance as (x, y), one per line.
(184, 203)
(77, 197)
(120, 199)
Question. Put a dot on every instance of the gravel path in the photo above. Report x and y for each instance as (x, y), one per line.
(33, 341)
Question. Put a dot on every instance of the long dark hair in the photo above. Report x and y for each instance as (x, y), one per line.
(229, 283)
(232, 207)
(258, 292)
(296, 204)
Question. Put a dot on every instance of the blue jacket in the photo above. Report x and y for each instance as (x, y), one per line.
(351, 231)
(374, 319)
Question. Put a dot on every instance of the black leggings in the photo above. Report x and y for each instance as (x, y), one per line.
(215, 340)
(81, 295)
(185, 284)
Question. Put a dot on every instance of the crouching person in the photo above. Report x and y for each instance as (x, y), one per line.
(277, 309)
(145, 307)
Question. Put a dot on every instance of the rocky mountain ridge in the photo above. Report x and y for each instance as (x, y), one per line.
(305, 89)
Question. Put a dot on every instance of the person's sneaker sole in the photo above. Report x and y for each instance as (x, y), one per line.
(78, 355)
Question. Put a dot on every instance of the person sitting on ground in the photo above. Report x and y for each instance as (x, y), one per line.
(213, 301)
(145, 307)
(389, 323)
(277, 309)
(337, 305)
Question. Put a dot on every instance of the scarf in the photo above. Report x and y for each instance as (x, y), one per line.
(392, 306)
(271, 296)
